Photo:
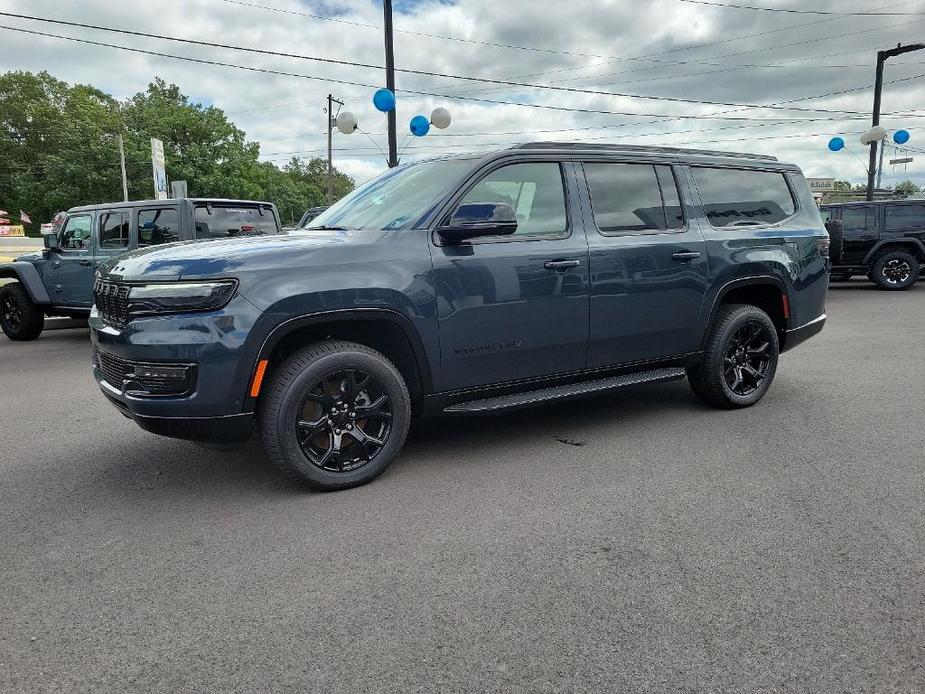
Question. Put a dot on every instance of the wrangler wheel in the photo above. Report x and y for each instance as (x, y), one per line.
(895, 270)
(20, 319)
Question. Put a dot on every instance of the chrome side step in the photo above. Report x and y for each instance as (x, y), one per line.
(569, 390)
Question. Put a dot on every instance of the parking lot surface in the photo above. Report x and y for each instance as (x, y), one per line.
(637, 541)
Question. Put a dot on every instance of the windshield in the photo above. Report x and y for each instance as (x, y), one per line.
(221, 221)
(395, 199)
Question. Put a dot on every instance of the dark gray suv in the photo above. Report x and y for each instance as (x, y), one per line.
(464, 285)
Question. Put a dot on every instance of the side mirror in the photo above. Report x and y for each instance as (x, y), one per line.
(474, 219)
(52, 242)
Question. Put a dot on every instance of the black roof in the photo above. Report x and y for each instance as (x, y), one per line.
(616, 147)
(148, 203)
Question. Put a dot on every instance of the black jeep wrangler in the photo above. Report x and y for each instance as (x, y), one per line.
(884, 240)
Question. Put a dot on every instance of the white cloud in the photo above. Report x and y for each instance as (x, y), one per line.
(812, 54)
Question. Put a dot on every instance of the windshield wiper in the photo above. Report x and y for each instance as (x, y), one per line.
(323, 228)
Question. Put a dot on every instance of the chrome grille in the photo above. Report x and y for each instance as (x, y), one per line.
(111, 301)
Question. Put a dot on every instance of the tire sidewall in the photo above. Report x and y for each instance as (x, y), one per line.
(881, 262)
(743, 316)
(280, 422)
(32, 318)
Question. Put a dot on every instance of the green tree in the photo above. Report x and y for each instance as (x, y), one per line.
(58, 145)
(841, 185)
(906, 189)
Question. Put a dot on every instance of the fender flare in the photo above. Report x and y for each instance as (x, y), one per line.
(29, 278)
(355, 314)
(905, 241)
(735, 284)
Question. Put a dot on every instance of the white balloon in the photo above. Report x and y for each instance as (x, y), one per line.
(440, 118)
(346, 122)
(875, 134)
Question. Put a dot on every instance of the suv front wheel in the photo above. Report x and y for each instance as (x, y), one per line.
(895, 270)
(740, 358)
(335, 415)
(20, 319)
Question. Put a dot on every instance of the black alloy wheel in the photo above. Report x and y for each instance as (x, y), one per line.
(747, 358)
(739, 358)
(895, 270)
(334, 415)
(344, 421)
(20, 319)
(11, 312)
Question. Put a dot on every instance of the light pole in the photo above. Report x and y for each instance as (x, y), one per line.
(390, 82)
(875, 121)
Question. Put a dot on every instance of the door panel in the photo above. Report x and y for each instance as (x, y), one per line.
(73, 263)
(648, 270)
(503, 314)
(861, 234)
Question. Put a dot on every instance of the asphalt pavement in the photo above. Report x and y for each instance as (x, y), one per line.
(632, 542)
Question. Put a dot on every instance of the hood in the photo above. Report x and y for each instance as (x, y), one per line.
(227, 257)
(31, 257)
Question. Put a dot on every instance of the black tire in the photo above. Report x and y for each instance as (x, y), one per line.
(310, 379)
(836, 229)
(20, 319)
(895, 270)
(714, 379)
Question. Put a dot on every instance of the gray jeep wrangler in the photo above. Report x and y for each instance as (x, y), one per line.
(58, 281)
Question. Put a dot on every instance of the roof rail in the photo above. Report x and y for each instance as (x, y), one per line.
(615, 147)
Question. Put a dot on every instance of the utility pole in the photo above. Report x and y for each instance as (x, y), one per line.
(390, 81)
(122, 161)
(331, 102)
(882, 57)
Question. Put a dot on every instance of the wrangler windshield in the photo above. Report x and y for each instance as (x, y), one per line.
(393, 200)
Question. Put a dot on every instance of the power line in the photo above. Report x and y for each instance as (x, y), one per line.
(483, 80)
(730, 5)
(565, 109)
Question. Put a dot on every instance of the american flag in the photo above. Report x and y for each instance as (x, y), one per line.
(24, 218)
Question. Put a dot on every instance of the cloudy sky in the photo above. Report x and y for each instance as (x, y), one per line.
(674, 50)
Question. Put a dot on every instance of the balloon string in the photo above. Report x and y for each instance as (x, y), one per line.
(404, 143)
(368, 137)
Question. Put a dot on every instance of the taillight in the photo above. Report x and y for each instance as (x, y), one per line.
(823, 246)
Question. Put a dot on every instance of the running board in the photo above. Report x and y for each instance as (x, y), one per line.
(569, 390)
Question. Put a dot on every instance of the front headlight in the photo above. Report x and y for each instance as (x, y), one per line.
(178, 297)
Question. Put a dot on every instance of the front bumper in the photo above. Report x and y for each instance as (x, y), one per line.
(796, 336)
(211, 348)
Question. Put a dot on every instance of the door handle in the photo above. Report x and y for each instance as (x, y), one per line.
(683, 256)
(86, 263)
(561, 265)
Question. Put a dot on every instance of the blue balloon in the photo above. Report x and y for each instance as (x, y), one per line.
(420, 126)
(836, 143)
(384, 100)
(901, 137)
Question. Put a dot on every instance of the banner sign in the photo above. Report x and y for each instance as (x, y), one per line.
(160, 175)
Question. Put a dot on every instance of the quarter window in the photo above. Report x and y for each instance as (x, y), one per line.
(158, 226)
(76, 233)
(628, 198)
(743, 197)
(534, 191)
(114, 230)
(902, 217)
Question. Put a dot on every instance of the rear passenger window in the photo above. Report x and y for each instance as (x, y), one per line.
(627, 198)
(158, 226)
(857, 219)
(534, 191)
(900, 217)
(743, 197)
(114, 230)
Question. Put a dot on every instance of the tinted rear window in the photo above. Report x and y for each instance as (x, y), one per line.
(910, 216)
(742, 197)
(221, 221)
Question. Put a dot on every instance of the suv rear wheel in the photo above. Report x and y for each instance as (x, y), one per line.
(335, 415)
(895, 270)
(20, 319)
(740, 358)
